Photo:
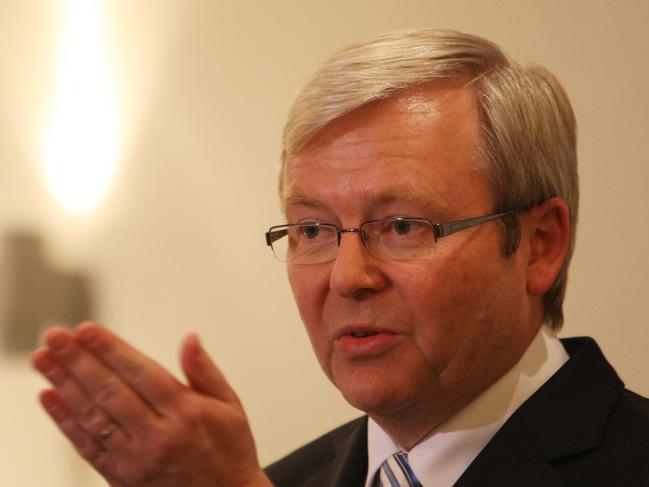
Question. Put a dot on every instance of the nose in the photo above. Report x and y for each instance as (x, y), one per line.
(355, 272)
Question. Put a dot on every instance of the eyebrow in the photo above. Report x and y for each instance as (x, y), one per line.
(424, 200)
(300, 200)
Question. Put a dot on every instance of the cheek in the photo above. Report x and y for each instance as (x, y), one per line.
(434, 292)
(453, 307)
(309, 285)
(433, 301)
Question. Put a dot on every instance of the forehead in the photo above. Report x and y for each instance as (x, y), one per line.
(422, 143)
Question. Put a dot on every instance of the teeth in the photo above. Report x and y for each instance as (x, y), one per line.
(363, 334)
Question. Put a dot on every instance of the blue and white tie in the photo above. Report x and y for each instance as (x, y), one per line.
(396, 472)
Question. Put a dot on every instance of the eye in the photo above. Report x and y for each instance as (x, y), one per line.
(401, 227)
(310, 231)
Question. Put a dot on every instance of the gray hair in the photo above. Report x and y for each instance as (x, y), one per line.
(528, 127)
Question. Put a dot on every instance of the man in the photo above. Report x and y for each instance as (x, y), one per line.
(430, 191)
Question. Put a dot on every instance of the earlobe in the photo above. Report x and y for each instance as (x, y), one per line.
(549, 231)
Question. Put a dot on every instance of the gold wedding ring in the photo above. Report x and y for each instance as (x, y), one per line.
(106, 432)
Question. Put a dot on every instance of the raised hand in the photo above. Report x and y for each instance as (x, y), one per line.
(135, 423)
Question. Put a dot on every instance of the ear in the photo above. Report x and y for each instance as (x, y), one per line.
(549, 230)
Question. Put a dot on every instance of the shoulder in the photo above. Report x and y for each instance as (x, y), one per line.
(325, 459)
(622, 454)
(628, 424)
(616, 419)
(582, 427)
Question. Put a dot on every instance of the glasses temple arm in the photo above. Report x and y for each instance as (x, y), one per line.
(275, 235)
(443, 229)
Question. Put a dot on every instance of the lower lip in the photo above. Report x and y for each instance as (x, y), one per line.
(371, 344)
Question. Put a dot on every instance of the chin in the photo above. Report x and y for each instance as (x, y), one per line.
(376, 397)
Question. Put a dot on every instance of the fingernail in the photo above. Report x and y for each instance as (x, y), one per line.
(88, 337)
(57, 341)
(53, 408)
(48, 402)
(202, 355)
(44, 364)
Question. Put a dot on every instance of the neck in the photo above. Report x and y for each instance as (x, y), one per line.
(409, 426)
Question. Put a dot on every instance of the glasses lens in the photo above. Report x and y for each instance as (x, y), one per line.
(399, 238)
(309, 243)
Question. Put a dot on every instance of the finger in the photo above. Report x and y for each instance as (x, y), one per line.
(99, 383)
(91, 418)
(83, 443)
(202, 374)
(150, 380)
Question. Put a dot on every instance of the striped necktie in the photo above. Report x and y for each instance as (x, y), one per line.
(396, 472)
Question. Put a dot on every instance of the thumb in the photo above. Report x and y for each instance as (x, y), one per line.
(202, 375)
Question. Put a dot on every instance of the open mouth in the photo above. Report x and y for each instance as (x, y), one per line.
(363, 334)
(365, 342)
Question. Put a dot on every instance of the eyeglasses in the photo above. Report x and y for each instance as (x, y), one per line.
(394, 238)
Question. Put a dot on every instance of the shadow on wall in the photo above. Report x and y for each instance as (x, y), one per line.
(35, 294)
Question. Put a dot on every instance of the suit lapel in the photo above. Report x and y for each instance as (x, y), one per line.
(511, 459)
(344, 461)
(352, 452)
(564, 417)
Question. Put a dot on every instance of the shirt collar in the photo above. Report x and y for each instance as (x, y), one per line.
(442, 457)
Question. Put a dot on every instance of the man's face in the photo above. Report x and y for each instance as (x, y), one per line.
(440, 329)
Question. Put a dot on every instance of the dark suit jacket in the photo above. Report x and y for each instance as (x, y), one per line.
(580, 429)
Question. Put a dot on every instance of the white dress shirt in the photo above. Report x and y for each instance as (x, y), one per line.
(442, 457)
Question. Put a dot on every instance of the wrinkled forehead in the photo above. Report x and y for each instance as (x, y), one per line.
(437, 122)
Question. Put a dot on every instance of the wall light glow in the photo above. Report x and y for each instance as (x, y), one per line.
(83, 134)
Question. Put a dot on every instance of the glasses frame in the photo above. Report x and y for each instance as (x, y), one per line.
(439, 230)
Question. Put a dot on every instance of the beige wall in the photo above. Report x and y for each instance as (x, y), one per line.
(177, 245)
